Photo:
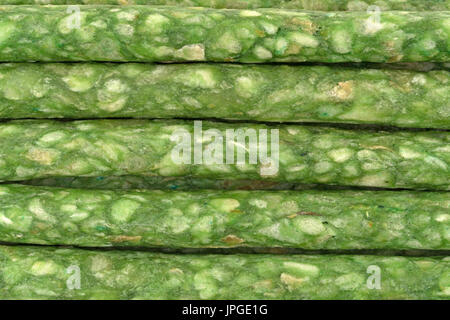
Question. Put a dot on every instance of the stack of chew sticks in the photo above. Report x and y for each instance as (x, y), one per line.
(90, 99)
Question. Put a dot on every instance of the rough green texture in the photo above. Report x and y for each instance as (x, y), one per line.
(146, 33)
(48, 273)
(38, 149)
(261, 92)
(299, 219)
(158, 182)
(320, 5)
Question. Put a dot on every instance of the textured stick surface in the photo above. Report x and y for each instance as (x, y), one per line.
(299, 219)
(261, 92)
(48, 273)
(165, 183)
(38, 149)
(319, 5)
(145, 33)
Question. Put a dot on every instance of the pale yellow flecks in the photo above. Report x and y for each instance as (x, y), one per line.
(419, 79)
(291, 281)
(350, 281)
(127, 15)
(258, 203)
(366, 154)
(6, 30)
(262, 53)
(78, 216)
(43, 156)
(228, 42)
(343, 90)
(297, 168)
(408, 153)
(341, 41)
(309, 225)
(52, 137)
(203, 225)
(323, 166)
(155, 23)
(5, 220)
(225, 204)
(289, 206)
(199, 78)
(436, 162)
(179, 224)
(42, 268)
(71, 22)
(340, 155)
(249, 13)
(281, 45)
(191, 52)
(246, 87)
(372, 25)
(68, 208)
(122, 210)
(442, 218)
(381, 179)
(35, 206)
(99, 263)
(115, 86)
(24, 171)
(302, 269)
(124, 29)
(269, 28)
(303, 39)
(323, 143)
(113, 106)
(205, 284)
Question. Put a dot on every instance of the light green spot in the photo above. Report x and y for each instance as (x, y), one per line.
(226, 205)
(303, 39)
(6, 30)
(246, 87)
(309, 225)
(155, 23)
(341, 41)
(42, 268)
(350, 281)
(36, 208)
(340, 155)
(15, 219)
(262, 53)
(301, 269)
(122, 210)
(229, 43)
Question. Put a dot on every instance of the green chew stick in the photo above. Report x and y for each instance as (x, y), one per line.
(319, 5)
(225, 91)
(165, 183)
(286, 153)
(161, 34)
(49, 273)
(203, 219)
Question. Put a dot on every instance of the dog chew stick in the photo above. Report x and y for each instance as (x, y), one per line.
(315, 5)
(162, 34)
(49, 273)
(233, 151)
(225, 91)
(308, 219)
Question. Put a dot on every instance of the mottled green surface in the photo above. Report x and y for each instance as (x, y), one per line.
(146, 33)
(320, 5)
(262, 92)
(158, 182)
(299, 219)
(48, 273)
(38, 148)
